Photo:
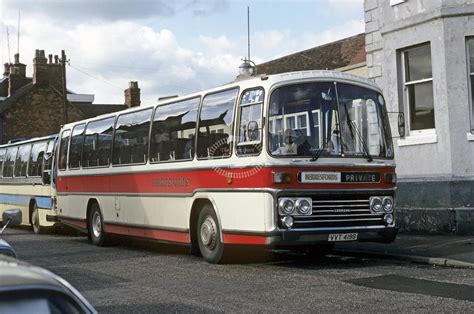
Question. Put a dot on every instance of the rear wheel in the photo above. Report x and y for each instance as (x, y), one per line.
(97, 234)
(208, 236)
(35, 221)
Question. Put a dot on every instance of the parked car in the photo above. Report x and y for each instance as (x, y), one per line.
(25, 288)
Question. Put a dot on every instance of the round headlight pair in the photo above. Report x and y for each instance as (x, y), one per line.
(301, 206)
(377, 204)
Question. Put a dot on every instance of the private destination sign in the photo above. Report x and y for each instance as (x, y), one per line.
(338, 177)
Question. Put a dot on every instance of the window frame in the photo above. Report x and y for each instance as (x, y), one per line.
(14, 161)
(237, 88)
(406, 98)
(198, 112)
(70, 143)
(152, 115)
(27, 162)
(60, 138)
(238, 120)
(111, 144)
(30, 156)
(470, 81)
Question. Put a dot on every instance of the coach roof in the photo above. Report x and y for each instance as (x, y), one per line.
(259, 80)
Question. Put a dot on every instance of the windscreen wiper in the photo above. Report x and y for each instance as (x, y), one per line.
(354, 129)
(317, 154)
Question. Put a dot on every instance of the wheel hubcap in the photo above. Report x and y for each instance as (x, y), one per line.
(96, 225)
(209, 233)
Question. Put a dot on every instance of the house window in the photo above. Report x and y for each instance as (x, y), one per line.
(418, 82)
(470, 69)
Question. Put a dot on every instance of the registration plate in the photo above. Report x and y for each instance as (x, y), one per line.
(335, 237)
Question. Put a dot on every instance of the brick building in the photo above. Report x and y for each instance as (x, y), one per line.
(345, 55)
(31, 107)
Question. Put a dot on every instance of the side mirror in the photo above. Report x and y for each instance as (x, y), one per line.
(12, 217)
(47, 155)
(401, 124)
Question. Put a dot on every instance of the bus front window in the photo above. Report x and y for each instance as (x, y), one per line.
(328, 119)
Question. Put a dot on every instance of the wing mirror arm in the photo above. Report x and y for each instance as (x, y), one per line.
(401, 123)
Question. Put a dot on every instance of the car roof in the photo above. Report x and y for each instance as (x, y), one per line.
(15, 273)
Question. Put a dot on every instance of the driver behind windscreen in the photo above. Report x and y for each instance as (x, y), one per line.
(289, 145)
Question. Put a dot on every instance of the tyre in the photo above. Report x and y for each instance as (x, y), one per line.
(319, 250)
(35, 221)
(208, 236)
(96, 231)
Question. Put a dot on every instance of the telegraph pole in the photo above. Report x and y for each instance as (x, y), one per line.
(63, 70)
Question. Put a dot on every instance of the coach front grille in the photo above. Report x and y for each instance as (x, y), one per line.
(339, 211)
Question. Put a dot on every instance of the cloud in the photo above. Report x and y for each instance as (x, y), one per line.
(79, 11)
(106, 53)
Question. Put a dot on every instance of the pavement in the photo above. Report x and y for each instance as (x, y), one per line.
(439, 250)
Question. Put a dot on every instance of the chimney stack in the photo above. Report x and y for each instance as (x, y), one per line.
(16, 75)
(45, 72)
(132, 94)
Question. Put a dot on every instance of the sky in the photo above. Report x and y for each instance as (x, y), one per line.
(169, 47)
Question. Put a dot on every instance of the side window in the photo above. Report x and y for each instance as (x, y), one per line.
(9, 162)
(2, 157)
(215, 125)
(36, 159)
(249, 140)
(49, 151)
(75, 149)
(173, 131)
(131, 138)
(97, 143)
(21, 161)
(63, 147)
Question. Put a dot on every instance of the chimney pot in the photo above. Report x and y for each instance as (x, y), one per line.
(50, 58)
(56, 59)
(17, 58)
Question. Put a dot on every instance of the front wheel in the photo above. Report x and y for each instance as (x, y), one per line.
(35, 221)
(97, 234)
(208, 236)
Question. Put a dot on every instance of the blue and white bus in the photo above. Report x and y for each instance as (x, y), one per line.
(26, 181)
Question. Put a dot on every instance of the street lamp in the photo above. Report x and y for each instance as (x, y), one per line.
(247, 68)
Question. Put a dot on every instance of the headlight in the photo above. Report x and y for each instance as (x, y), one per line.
(387, 204)
(388, 219)
(287, 221)
(287, 206)
(303, 206)
(376, 204)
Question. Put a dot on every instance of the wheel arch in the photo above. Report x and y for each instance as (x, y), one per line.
(196, 208)
(90, 203)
